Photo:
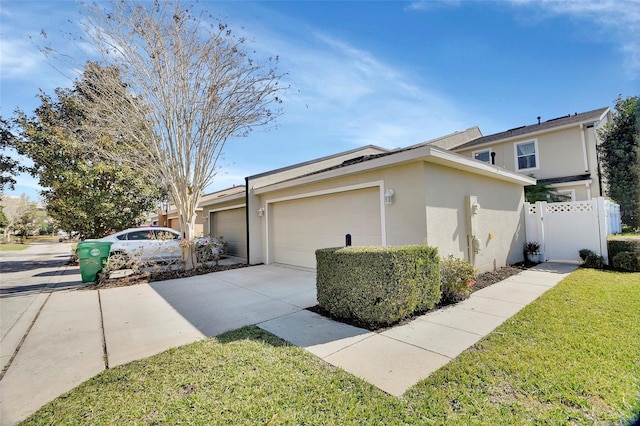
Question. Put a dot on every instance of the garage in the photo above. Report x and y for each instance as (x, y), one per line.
(300, 226)
(231, 224)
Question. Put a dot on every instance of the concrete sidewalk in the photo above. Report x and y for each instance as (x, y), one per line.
(64, 337)
(398, 358)
(74, 335)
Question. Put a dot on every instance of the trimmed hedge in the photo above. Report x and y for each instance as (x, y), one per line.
(377, 285)
(624, 253)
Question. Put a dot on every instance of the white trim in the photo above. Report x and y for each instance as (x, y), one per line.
(536, 153)
(574, 183)
(236, 206)
(490, 150)
(536, 133)
(429, 154)
(584, 148)
(378, 183)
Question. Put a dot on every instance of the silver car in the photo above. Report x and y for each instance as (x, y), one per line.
(149, 244)
(145, 244)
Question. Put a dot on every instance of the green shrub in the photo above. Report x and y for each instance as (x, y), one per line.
(627, 261)
(594, 261)
(584, 253)
(617, 245)
(456, 278)
(377, 285)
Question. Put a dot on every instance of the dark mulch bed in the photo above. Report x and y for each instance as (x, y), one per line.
(149, 277)
(487, 278)
(482, 280)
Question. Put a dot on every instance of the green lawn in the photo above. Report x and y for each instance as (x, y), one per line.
(571, 357)
(13, 247)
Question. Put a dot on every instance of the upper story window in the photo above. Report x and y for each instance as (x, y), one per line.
(484, 155)
(527, 155)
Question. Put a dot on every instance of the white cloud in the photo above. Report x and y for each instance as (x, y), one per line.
(422, 5)
(18, 58)
(618, 20)
(359, 99)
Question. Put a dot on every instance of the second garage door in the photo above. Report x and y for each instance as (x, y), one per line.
(232, 225)
(299, 227)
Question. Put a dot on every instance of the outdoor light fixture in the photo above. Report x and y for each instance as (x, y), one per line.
(260, 211)
(475, 208)
(165, 206)
(388, 196)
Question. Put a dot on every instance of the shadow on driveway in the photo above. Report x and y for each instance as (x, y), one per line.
(9, 266)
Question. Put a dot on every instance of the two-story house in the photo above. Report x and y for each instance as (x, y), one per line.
(561, 152)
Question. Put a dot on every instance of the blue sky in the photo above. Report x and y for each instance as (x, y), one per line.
(387, 73)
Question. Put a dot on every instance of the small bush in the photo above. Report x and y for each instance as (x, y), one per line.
(377, 286)
(627, 261)
(594, 261)
(456, 278)
(584, 253)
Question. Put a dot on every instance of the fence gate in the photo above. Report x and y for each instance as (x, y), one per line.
(563, 229)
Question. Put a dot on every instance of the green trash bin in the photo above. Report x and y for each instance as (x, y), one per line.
(93, 255)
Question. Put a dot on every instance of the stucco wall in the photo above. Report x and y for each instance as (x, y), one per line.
(561, 153)
(428, 205)
(404, 224)
(501, 214)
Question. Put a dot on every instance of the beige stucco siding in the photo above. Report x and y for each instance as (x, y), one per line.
(500, 214)
(404, 219)
(560, 153)
(564, 152)
(428, 206)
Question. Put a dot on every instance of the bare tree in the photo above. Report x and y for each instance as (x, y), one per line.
(190, 86)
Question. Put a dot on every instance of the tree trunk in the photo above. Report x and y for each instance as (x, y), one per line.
(187, 219)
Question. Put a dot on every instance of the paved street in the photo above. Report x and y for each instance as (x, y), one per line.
(28, 278)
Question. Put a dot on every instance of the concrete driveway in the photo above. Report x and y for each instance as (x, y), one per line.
(56, 335)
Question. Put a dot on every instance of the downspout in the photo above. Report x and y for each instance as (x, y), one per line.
(584, 148)
(246, 213)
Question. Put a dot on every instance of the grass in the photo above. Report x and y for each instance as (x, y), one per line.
(13, 247)
(571, 357)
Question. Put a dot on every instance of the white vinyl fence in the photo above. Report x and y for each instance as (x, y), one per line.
(563, 229)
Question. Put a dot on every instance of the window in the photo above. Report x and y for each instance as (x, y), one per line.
(140, 235)
(527, 155)
(482, 155)
(566, 195)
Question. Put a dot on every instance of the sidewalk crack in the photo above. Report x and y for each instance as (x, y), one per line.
(105, 355)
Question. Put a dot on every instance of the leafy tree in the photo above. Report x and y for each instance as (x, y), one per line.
(3, 219)
(542, 191)
(83, 192)
(22, 216)
(195, 86)
(620, 158)
(8, 166)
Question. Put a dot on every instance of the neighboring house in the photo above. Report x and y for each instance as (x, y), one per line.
(561, 152)
(415, 195)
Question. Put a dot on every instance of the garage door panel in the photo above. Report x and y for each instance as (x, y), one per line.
(299, 227)
(231, 224)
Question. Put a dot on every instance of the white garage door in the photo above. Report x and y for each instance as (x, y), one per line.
(299, 227)
(232, 225)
